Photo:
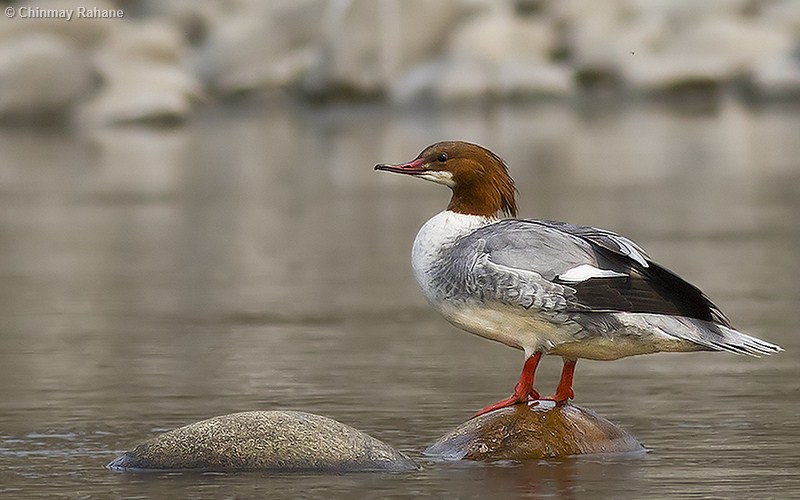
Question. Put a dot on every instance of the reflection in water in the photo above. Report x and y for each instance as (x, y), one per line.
(253, 260)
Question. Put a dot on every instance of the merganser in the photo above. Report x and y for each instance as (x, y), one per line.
(549, 287)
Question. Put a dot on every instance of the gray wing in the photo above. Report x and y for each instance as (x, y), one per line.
(600, 237)
(565, 269)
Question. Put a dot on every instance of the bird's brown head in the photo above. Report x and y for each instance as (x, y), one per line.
(479, 178)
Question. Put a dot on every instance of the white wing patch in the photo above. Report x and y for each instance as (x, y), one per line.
(633, 250)
(586, 271)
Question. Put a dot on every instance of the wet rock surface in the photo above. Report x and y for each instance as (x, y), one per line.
(543, 430)
(265, 440)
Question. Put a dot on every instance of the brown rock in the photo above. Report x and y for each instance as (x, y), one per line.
(265, 440)
(524, 432)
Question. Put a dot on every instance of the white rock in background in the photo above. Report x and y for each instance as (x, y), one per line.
(494, 54)
(657, 45)
(260, 45)
(739, 41)
(194, 18)
(323, 46)
(464, 79)
(778, 76)
(600, 34)
(783, 15)
(606, 47)
(41, 75)
(152, 40)
(45, 66)
(498, 33)
(459, 80)
(713, 50)
(532, 77)
(417, 30)
(417, 81)
(144, 77)
(353, 47)
(368, 44)
(81, 31)
(141, 92)
(680, 13)
(516, 51)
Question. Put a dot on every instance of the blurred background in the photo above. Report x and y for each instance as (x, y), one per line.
(190, 226)
(165, 60)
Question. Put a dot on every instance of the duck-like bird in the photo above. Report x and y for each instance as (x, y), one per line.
(549, 287)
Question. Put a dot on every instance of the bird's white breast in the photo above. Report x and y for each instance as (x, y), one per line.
(440, 232)
(492, 321)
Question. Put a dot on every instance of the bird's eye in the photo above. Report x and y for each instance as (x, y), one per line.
(442, 157)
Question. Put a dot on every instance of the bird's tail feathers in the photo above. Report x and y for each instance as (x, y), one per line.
(718, 337)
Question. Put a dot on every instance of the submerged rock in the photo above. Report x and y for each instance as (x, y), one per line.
(524, 432)
(265, 440)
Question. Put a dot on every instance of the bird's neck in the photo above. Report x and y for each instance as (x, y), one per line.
(492, 194)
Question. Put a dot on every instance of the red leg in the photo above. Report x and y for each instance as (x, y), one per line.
(564, 391)
(524, 388)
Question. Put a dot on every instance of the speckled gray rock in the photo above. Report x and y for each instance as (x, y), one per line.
(523, 432)
(265, 440)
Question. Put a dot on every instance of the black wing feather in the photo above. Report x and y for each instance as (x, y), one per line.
(652, 289)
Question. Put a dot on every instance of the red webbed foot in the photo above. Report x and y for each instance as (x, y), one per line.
(564, 391)
(510, 401)
(523, 391)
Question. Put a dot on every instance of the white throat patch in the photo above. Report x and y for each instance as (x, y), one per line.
(439, 177)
